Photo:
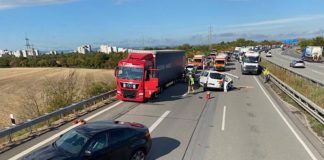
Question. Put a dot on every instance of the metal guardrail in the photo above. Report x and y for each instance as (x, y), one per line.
(312, 108)
(46, 117)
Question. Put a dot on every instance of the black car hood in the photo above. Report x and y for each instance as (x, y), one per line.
(48, 153)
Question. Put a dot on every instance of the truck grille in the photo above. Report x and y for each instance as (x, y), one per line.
(129, 93)
(129, 85)
(250, 67)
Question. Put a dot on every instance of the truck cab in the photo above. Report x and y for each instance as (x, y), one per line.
(132, 74)
(143, 74)
(220, 62)
(198, 61)
(250, 63)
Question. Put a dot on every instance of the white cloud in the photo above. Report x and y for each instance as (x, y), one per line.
(7, 4)
(121, 2)
(280, 21)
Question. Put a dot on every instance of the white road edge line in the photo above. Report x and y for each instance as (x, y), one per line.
(310, 153)
(224, 117)
(157, 122)
(25, 152)
(316, 72)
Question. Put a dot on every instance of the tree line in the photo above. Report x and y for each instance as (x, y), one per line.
(72, 60)
(101, 60)
(318, 41)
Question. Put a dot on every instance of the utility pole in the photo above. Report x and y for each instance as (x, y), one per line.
(210, 37)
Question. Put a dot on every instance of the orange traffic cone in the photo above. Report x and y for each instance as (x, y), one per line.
(207, 95)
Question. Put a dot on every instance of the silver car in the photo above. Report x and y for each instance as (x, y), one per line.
(297, 64)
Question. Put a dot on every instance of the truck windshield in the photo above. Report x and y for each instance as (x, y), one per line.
(130, 73)
(197, 60)
(251, 59)
(220, 62)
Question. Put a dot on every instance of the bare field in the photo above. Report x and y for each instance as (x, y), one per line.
(16, 82)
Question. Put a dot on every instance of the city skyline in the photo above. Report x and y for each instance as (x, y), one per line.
(67, 24)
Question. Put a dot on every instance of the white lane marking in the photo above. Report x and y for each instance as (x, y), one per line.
(316, 71)
(310, 153)
(157, 122)
(224, 117)
(25, 152)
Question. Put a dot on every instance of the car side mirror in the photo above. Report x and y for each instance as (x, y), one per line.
(87, 153)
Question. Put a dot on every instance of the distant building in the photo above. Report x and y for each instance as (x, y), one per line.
(18, 53)
(114, 49)
(24, 53)
(84, 49)
(105, 49)
(121, 50)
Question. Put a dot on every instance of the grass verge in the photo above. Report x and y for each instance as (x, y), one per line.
(312, 91)
(315, 125)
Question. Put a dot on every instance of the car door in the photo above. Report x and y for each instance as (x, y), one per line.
(119, 144)
(203, 78)
(98, 147)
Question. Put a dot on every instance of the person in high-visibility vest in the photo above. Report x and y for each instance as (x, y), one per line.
(266, 75)
(191, 83)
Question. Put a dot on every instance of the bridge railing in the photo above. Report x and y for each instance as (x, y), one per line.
(309, 106)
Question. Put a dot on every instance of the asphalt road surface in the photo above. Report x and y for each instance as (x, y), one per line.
(314, 71)
(242, 124)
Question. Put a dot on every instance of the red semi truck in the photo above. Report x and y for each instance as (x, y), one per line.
(145, 73)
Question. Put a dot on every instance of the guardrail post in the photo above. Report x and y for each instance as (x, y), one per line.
(30, 128)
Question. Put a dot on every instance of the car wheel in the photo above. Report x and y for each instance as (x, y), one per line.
(138, 155)
(205, 87)
(230, 86)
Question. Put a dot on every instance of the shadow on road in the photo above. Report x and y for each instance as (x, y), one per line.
(162, 146)
(173, 93)
(229, 68)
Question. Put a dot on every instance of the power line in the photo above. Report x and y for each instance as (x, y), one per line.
(210, 37)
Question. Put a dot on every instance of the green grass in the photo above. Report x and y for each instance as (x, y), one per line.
(309, 89)
(312, 91)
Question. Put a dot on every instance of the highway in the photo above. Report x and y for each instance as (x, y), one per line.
(246, 123)
(314, 71)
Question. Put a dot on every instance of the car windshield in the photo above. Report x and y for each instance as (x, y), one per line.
(131, 73)
(251, 60)
(72, 142)
(216, 76)
(299, 61)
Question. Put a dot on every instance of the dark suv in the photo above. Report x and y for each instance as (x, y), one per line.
(102, 140)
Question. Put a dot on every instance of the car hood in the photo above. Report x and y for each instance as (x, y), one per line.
(48, 153)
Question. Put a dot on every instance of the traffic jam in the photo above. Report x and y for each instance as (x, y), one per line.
(142, 76)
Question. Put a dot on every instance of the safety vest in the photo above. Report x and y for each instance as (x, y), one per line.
(191, 80)
(266, 72)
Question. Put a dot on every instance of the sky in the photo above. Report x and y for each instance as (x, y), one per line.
(67, 24)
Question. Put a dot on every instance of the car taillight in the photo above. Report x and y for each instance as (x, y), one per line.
(147, 135)
(134, 124)
(220, 82)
